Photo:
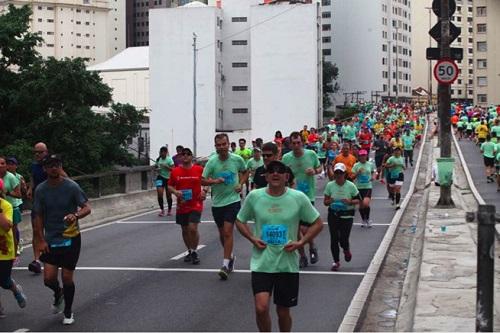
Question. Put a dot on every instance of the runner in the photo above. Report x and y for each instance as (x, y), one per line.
(226, 173)
(278, 212)
(488, 149)
(252, 165)
(270, 152)
(345, 158)
(304, 164)
(185, 184)
(12, 191)
(165, 164)
(17, 218)
(365, 138)
(380, 146)
(395, 167)
(177, 158)
(246, 154)
(57, 234)
(340, 197)
(363, 174)
(408, 143)
(8, 253)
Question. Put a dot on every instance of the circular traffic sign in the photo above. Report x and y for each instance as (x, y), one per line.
(446, 71)
(436, 7)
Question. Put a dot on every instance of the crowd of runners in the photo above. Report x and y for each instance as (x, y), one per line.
(482, 126)
(271, 184)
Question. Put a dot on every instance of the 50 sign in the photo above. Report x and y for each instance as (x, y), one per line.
(446, 71)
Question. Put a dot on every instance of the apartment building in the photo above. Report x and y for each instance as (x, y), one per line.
(92, 29)
(371, 43)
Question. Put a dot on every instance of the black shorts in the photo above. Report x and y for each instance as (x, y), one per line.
(284, 285)
(460, 129)
(226, 213)
(65, 257)
(378, 160)
(161, 182)
(185, 219)
(365, 193)
(306, 224)
(322, 160)
(489, 161)
(5, 273)
(469, 132)
(399, 178)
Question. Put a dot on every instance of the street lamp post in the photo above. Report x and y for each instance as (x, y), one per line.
(430, 62)
(194, 93)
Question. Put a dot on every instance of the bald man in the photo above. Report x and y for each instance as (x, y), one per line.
(38, 176)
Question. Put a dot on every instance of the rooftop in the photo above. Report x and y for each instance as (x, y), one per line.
(132, 58)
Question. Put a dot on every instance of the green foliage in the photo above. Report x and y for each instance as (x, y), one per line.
(330, 74)
(51, 100)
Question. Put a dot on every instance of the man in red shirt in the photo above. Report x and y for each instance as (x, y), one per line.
(365, 138)
(185, 184)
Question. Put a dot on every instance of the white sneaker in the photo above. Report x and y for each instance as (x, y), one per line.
(369, 223)
(69, 321)
(363, 223)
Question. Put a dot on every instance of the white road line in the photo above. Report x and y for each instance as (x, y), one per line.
(373, 198)
(183, 254)
(374, 224)
(249, 222)
(199, 270)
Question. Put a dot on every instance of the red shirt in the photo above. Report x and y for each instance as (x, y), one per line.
(188, 179)
(365, 138)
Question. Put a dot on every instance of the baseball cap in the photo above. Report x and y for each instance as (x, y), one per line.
(276, 166)
(52, 158)
(339, 167)
(187, 150)
(11, 160)
(362, 152)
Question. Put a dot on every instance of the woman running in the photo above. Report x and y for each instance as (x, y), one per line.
(395, 166)
(363, 173)
(165, 164)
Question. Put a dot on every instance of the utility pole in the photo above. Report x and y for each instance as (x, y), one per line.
(389, 88)
(397, 64)
(194, 93)
(430, 62)
(444, 94)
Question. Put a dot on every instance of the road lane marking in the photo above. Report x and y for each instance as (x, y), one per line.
(183, 254)
(200, 270)
(208, 221)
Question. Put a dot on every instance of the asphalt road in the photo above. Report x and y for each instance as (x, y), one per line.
(131, 277)
(474, 159)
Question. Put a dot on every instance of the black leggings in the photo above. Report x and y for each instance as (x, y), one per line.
(5, 274)
(340, 230)
(408, 156)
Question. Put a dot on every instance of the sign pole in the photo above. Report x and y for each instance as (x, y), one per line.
(444, 95)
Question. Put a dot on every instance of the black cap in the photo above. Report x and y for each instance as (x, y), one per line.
(275, 164)
(11, 160)
(52, 158)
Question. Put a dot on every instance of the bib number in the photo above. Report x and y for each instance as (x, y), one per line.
(363, 179)
(275, 234)
(187, 194)
(338, 205)
(159, 183)
(64, 243)
(228, 177)
(303, 187)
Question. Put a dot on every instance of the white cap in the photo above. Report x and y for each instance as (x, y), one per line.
(339, 166)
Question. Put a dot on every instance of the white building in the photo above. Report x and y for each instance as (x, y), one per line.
(371, 46)
(258, 71)
(93, 29)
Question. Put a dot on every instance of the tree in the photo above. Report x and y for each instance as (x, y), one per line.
(51, 101)
(330, 74)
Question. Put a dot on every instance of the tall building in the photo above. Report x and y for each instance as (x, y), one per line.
(137, 24)
(370, 41)
(258, 69)
(91, 29)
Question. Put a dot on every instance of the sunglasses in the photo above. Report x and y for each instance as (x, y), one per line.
(279, 170)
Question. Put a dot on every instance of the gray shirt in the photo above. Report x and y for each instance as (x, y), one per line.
(55, 202)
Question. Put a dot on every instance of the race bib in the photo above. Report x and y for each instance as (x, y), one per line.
(275, 234)
(187, 194)
(338, 205)
(159, 183)
(394, 174)
(363, 179)
(303, 187)
(228, 177)
(65, 243)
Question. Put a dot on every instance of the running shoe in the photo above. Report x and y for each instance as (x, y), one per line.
(335, 266)
(195, 259)
(369, 223)
(68, 321)
(58, 305)
(347, 255)
(363, 223)
(169, 213)
(161, 213)
(313, 255)
(224, 273)
(230, 266)
(397, 207)
(35, 267)
(188, 257)
(20, 297)
(303, 262)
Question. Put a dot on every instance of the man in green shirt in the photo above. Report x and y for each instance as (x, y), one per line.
(408, 143)
(225, 173)
(363, 173)
(253, 163)
(277, 212)
(305, 165)
(488, 149)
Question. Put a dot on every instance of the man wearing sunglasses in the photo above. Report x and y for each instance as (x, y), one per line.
(185, 184)
(277, 211)
(269, 153)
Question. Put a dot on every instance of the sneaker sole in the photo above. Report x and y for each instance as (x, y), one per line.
(223, 275)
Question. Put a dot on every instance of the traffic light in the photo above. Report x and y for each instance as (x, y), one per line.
(433, 53)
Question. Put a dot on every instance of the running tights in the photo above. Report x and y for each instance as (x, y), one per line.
(365, 213)
(169, 201)
(398, 197)
(340, 230)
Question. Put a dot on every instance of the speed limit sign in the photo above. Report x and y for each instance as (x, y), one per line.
(446, 71)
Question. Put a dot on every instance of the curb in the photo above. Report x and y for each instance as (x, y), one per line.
(351, 318)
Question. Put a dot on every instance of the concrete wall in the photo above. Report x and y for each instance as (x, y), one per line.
(129, 86)
(284, 68)
(171, 71)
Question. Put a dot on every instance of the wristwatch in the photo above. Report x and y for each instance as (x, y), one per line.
(77, 216)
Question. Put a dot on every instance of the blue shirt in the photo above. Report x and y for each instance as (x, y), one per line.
(38, 174)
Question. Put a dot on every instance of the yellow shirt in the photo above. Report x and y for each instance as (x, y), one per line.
(396, 144)
(7, 251)
(482, 131)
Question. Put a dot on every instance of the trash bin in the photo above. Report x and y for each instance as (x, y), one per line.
(445, 170)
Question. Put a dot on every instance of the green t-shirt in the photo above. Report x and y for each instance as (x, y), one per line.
(161, 163)
(460, 124)
(347, 191)
(496, 130)
(245, 153)
(408, 141)
(10, 182)
(224, 194)
(398, 162)
(276, 223)
(469, 126)
(488, 149)
(349, 132)
(252, 165)
(320, 150)
(304, 183)
(364, 178)
(498, 152)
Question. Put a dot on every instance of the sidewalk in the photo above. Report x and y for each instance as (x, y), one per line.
(446, 290)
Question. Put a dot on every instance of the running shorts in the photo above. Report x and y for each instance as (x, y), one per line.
(284, 286)
(65, 257)
(226, 213)
(489, 161)
(185, 219)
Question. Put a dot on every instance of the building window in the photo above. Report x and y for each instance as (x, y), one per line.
(326, 14)
(327, 52)
(482, 46)
(482, 63)
(327, 39)
(40, 20)
(326, 27)
(240, 64)
(481, 28)
(482, 81)
(240, 88)
(240, 110)
(482, 98)
(240, 42)
(239, 19)
(50, 32)
(481, 11)
(326, 2)
(50, 45)
(50, 8)
(50, 20)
